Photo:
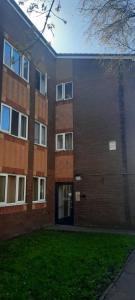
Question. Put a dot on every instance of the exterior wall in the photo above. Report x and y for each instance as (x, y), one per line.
(16, 155)
(64, 160)
(102, 110)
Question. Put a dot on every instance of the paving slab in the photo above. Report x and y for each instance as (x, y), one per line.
(124, 287)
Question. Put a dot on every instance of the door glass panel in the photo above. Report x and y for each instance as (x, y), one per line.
(64, 201)
(11, 193)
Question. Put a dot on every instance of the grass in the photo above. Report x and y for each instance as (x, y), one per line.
(49, 265)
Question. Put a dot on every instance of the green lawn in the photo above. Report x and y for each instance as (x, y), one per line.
(49, 265)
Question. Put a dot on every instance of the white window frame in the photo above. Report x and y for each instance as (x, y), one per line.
(40, 134)
(63, 91)
(40, 200)
(64, 144)
(45, 87)
(19, 123)
(21, 74)
(22, 69)
(16, 192)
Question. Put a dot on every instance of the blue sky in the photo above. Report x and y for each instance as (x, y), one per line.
(71, 37)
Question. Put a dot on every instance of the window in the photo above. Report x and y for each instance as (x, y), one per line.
(15, 61)
(12, 189)
(2, 188)
(21, 189)
(25, 68)
(5, 118)
(64, 91)
(13, 122)
(41, 82)
(23, 126)
(40, 134)
(39, 189)
(64, 141)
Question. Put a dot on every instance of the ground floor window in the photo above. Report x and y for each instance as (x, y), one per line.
(12, 189)
(39, 189)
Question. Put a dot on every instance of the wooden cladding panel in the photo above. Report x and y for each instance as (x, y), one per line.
(64, 116)
(13, 154)
(63, 166)
(40, 161)
(41, 108)
(15, 91)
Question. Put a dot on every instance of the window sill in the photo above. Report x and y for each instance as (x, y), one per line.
(12, 204)
(38, 201)
(44, 146)
(40, 94)
(64, 101)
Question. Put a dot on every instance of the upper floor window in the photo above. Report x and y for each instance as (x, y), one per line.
(15, 61)
(12, 189)
(64, 141)
(41, 82)
(40, 134)
(39, 189)
(64, 91)
(13, 122)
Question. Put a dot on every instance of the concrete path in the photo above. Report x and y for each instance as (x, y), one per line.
(124, 287)
(89, 229)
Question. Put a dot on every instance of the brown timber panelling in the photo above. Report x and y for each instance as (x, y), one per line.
(41, 108)
(40, 161)
(15, 91)
(63, 166)
(13, 154)
(64, 117)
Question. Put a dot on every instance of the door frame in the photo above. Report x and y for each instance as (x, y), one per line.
(57, 184)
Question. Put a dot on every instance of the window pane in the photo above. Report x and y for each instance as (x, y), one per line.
(37, 133)
(23, 126)
(25, 68)
(68, 141)
(5, 118)
(42, 88)
(68, 90)
(2, 188)
(59, 92)
(15, 60)
(14, 123)
(38, 80)
(7, 54)
(59, 141)
(35, 189)
(43, 135)
(42, 189)
(21, 187)
(11, 193)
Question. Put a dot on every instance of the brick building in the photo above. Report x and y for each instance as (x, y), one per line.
(67, 141)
